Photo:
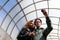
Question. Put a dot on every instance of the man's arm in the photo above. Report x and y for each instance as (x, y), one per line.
(48, 22)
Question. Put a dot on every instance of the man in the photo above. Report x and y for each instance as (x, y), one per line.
(42, 34)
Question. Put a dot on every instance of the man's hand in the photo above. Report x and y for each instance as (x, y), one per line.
(44, 12)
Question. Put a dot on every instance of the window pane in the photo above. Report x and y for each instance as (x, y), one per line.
(54, 4)
(44, 26)
(54, 12)
(59, 28)
(19, 0)
(30, 8)
(43, 20)
(54, 31)
(2, 15)
(18, 16)
(25, 3)
(40, 0)
(2, 2)
(59, 32)
(15, 11)
(9, 5)
(55, 26)
(21, 23)
(31, 16)
(41, 5)
(14, 33)
(54, 20)
(53, 34)
(59, 21)
(40, 14)
(37, 0)
(6, 22)
(10, 27)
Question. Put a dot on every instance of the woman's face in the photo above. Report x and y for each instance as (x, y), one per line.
(32, 24)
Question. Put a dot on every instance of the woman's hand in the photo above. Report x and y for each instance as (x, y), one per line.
(32, 34)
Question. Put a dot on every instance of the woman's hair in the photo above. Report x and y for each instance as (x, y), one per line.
(28, 23)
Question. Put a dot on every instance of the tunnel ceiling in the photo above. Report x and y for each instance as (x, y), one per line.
(15, 13)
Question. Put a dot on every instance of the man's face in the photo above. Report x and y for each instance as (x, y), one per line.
(38, 23)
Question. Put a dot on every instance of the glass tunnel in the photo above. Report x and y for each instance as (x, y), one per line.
(15, 13)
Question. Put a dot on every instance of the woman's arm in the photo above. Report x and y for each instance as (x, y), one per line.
(23, 33)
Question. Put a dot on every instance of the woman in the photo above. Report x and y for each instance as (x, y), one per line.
(27, 32)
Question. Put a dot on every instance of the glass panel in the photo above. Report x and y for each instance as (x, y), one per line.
(59, 21)
(31, 16)
(15, 11)
(54, 4)
(59, 36)
(54, 12)
(14, 33)
(40, 0)
(19, 0)
(25, 3)
(59, 28)
(30, 8)
(9, 5)
(10, 27)
(2, 2)
(6, 22)
(2, 15)
(43, 20)
(54, 37)
(59, 32)
(44, 26)
(55, 27)
(54, 31)
(52, 34)
(18, 16)
(39, 13)
(54, 20)
(49, 39)
(41, 5)
(21, 23)
(37, 0)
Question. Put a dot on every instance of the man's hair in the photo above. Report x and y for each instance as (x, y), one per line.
(36, 20)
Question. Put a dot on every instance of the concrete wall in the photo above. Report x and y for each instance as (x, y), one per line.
(4, 35)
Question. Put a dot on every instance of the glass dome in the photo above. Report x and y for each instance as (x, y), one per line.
(15, 13)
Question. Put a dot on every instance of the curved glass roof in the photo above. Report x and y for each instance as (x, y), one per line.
(15, 13)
